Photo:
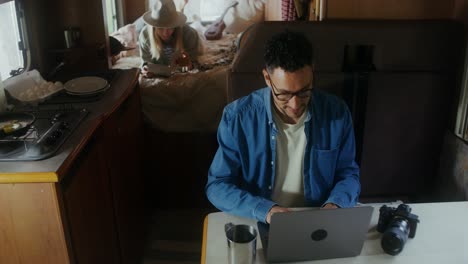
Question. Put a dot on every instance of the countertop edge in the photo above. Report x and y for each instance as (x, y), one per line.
(205, 236)
(28, 177)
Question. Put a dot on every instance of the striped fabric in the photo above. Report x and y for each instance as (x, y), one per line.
(288, 10)
(168, 52)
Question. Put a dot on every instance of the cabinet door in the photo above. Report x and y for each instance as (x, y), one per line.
(385, 9)
(89, 208)
(123, 130)
(405, 122)
(30, 225)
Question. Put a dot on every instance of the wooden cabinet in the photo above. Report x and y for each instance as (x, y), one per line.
(122, 148)
(30, 225)
(94, 214)
(387, 9)
(88, 207)
(103, 193)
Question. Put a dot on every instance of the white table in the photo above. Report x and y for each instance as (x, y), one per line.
(441, 237)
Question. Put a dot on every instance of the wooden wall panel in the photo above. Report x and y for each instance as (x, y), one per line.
(85, 14)
(460, 11)
(30, 226)
(134, 9)
(273, 10)
(46, 21)
(69, 15)
(389, 9)
(41, 32)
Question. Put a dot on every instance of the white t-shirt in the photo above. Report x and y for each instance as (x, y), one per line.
(288, 188)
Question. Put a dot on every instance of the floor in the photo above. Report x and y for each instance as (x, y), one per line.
(175, 236)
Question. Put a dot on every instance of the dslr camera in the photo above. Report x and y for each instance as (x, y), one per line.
(396, 224)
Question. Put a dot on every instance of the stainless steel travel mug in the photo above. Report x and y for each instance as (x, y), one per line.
(241, 243)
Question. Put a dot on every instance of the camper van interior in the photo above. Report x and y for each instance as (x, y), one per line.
(117, 173)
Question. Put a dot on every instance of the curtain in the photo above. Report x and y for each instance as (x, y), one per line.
(288, 10)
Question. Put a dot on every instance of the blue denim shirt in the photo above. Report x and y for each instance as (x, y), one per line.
(242, 174)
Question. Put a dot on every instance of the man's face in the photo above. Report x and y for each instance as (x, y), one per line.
(164, 33)
(296, 85)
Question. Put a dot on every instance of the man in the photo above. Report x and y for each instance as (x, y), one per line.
(287, 145)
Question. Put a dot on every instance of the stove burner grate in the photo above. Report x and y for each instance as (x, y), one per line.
(44, 137)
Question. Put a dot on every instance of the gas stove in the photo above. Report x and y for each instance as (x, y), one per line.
(56, 119)
(44, 137)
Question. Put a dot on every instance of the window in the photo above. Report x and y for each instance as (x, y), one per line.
(111, 16)
(114, 15)
(12, 47)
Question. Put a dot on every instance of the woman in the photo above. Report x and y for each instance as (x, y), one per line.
(166, 39)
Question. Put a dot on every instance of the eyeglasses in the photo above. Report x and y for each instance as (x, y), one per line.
(303, 93)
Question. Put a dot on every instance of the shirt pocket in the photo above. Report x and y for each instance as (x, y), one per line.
(324, 164)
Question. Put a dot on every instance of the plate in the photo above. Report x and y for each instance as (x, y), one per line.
(90, 93)
(85, 85)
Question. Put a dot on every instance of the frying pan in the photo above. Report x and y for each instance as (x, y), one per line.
(15, 123)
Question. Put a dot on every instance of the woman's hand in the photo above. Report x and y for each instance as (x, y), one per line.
(145, 73)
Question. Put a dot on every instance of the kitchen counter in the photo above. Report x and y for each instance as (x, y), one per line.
(54, 168)
(85, 204)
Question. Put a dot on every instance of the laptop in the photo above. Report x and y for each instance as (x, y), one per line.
(315, 234)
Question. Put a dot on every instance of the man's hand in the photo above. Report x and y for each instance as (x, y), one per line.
(330, 206)
(276, 209)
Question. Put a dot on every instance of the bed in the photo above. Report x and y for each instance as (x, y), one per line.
(194, 101)
(184, 102)
(182, 113)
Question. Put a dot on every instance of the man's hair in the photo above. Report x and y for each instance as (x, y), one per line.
(289, 51)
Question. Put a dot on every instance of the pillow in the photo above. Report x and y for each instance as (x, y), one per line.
(246, 13)
(139, 25)
(127, 35)
(237, 19)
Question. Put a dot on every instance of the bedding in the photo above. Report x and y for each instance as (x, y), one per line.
(184, 102)
(237, 19)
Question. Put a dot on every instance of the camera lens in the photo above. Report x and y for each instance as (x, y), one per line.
(395, 236)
